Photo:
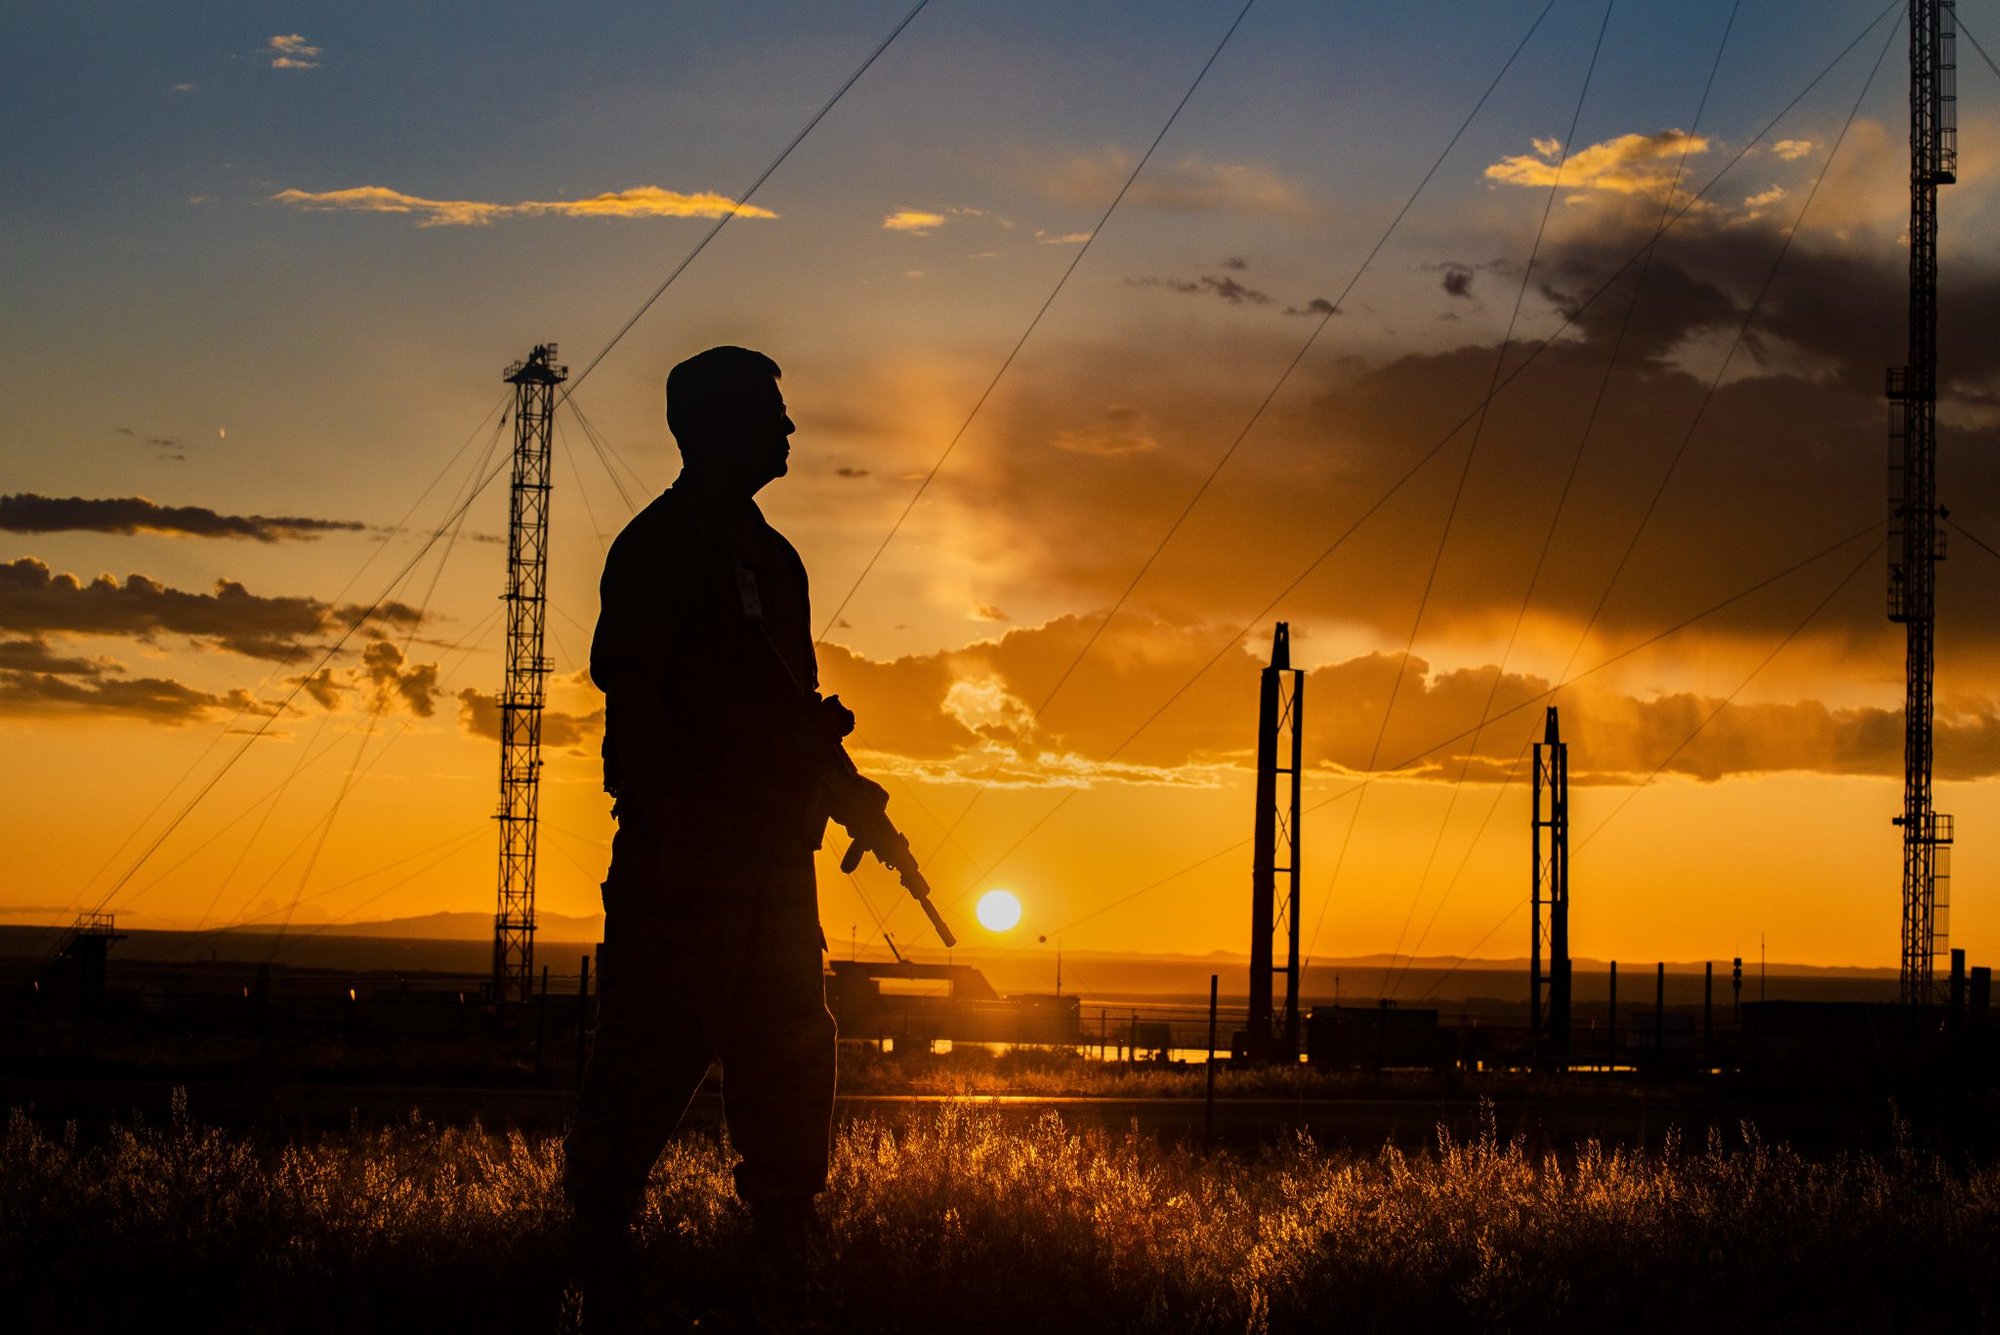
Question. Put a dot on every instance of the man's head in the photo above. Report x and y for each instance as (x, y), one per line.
(728, 415)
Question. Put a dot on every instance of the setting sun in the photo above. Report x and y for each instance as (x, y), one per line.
(999, 910)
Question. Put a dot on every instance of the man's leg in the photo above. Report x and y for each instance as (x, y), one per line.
(778, 1056)
(657, 1031)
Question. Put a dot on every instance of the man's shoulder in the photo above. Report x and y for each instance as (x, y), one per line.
(663, 522)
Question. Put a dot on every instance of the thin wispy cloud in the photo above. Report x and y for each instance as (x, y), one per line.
(291, 51)
(1191, 185)
(645, 201)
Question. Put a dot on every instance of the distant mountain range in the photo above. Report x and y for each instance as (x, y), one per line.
(466, 927)
(588, 928)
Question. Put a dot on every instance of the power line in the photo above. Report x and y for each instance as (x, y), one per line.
(1465, 472)
(737, 207)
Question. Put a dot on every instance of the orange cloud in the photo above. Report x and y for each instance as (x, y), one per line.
(646, 201)
(1631, 164)
(913, 220)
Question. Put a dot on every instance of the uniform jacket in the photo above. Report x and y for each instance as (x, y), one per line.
(704, 652)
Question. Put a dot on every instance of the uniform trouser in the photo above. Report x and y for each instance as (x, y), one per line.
(722, 964)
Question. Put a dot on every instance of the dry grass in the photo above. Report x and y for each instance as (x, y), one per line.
(960, 1222)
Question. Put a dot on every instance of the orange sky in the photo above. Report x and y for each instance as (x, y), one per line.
(242, 377)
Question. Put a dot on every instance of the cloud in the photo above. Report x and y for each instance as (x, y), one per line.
(1629, 164)
(29, 513)
(954, 715)
(383, 679)
(34, 655)
(1457, 281)
(646, 201)
(151, 699)
(913, 220)
(1231, 291)
(1317, 306)
(985, 612)
(849, 471)
(34, 601)
(173, 443)
(1791, 150)
(479, 714)
(37, 682)
(1192, 185)
(1120, 429)
(1061, 238)
(293, 52)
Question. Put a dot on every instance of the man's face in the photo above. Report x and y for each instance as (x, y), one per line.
(762, 436)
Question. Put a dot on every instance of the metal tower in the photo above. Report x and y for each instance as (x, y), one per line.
(534, 382)
(1549, 888)
(1915, 544)
(1280, 709)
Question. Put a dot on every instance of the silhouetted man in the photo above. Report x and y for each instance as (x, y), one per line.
(714, 742)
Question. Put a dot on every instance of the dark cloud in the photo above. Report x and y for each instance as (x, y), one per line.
(37, 682)
(1231, 291)
(35, 601)
(151, 699)
(161, 442)
(479, 714)
(1236, 262)
(1457, 282)
(1317, 306)
(848, 471)
(29, 513)
(383, 679)
(36, 656)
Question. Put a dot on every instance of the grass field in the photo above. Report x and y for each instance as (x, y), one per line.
(959, 1223)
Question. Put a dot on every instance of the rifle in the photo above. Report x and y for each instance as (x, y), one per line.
(873, 832)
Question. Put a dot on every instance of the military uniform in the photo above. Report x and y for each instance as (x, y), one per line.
(712, 944)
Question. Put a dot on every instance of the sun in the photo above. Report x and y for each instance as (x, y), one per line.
(998, 910)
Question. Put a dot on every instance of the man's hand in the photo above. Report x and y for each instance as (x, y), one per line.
(859, 804)
(829, 720)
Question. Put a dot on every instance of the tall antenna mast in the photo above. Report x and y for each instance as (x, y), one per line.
(1280, 725)
(1915, 544)
(1549, 896)
(534, 382)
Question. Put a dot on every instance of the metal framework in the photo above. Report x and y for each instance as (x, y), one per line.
(534, 382)
(1549, 889)
(1915, 544)
(1280, 715)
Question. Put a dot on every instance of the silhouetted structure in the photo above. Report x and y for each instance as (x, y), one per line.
(922, 1003)
(1915, 545)
(1280, 734)
(1548, 922)
(534, 382)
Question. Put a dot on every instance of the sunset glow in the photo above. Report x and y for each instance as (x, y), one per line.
(1045, 557)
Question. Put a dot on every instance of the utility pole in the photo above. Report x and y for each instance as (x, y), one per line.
(534, 382)
(1915, 544)
(1549, 889)
(1280, 731)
